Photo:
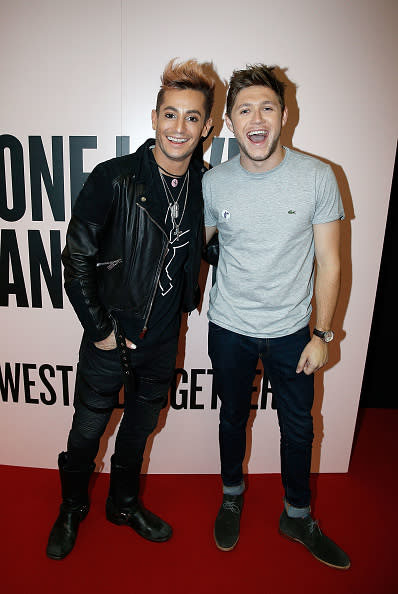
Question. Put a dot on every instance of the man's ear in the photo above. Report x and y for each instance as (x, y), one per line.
(154, 117)
(284, 116)
(228, 121)
(207, 128)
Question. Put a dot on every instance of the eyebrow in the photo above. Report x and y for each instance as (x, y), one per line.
(171, 108)
(266, 102)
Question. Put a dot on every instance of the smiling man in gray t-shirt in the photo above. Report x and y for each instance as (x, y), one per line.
(277, 212)
(264, 220)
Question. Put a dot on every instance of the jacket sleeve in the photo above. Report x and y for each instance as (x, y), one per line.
(211, 251)
(79, 256)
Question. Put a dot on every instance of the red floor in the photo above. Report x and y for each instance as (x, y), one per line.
(356, 509)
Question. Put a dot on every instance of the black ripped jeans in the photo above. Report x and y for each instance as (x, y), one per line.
(98, 383)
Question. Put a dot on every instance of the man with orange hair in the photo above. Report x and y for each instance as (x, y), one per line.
(132, 260)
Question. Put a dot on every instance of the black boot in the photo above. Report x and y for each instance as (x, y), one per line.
(307, 532)
(123, 505)
(226, 527)
(73, 509)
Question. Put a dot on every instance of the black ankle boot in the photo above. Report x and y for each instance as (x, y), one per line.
(123, 505)
(226, 527)
(73, 509)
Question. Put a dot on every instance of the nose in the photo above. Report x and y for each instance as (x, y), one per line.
(258, 114)
(180, 123)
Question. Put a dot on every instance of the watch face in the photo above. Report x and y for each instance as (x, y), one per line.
(328, 335)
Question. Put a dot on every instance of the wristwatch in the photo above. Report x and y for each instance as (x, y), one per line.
(326, 336)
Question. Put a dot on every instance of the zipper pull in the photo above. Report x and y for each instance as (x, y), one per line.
(143, 332)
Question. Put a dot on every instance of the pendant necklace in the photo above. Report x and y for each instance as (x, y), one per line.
(175, 178)
(173, 204)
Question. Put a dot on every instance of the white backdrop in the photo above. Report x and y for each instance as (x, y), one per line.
(91, 68)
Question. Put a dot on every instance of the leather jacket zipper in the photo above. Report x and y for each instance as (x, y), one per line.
(110, 264)
(145, 328)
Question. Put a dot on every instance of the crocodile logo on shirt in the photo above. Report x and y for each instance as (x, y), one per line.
(291, 212)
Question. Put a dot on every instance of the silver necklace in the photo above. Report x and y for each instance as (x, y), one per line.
(173, 204)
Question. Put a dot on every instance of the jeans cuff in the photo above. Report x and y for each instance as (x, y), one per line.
(297, 512)
(234, 490)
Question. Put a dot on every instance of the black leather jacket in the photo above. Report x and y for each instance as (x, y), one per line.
(116, 245)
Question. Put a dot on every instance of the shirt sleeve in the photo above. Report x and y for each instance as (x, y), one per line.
(328, 206)
(210, 216)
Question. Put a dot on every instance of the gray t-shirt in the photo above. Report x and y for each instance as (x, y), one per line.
(264, 279)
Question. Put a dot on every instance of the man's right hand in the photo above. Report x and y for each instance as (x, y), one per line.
(109, 343)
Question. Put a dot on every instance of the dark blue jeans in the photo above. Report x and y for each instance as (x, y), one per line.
(234, 358)
(98, 383)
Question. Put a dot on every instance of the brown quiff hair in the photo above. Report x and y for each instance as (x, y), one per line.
(254, 74)
(188, 75)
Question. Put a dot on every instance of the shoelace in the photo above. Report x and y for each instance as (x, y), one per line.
(231, 506)
(313, 524)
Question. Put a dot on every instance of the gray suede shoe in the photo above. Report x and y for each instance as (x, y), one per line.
(226, 528)
(307, 532)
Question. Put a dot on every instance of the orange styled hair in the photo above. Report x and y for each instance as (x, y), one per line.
(188, 75)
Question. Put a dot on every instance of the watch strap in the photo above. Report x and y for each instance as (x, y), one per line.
(326, 335)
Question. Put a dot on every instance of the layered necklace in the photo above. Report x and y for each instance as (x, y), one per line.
(173, 202)
(176, 178)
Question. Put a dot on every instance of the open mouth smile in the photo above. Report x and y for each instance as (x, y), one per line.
(257, 136)
(177, 140)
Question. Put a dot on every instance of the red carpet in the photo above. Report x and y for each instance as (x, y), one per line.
(355, 509)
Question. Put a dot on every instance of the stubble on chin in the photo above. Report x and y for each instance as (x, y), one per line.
(177, 158)
(259, 157)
